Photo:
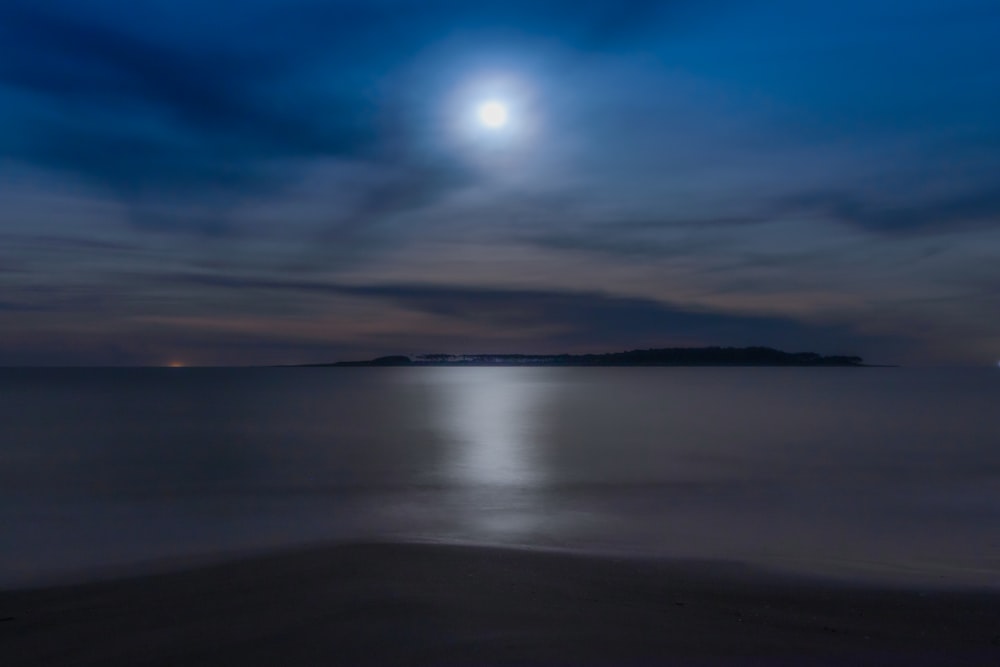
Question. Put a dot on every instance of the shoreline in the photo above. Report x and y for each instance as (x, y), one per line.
(909, 576)
(382, 603)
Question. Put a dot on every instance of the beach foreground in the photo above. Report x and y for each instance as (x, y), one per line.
(414, 604)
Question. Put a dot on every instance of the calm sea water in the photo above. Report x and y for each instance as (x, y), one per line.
(878, 472)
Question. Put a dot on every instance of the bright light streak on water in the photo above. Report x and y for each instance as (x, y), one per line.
(491, 417)
(491, 420)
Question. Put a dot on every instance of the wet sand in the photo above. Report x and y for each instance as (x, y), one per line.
(410, 604)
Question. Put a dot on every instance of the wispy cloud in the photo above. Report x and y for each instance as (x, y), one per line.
(918, 214)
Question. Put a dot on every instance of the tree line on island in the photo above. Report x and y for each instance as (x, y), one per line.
(670, 356)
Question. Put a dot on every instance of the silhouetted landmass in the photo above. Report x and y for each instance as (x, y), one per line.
(671, 356)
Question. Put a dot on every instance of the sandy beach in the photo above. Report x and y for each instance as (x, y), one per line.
(413, 604)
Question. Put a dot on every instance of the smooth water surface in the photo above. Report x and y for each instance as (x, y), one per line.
(881, 472)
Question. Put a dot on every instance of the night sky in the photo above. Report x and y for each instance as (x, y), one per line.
(285, 181)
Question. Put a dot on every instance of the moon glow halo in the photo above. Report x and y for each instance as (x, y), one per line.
(493, 114)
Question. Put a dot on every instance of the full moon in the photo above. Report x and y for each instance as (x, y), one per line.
(493, 114)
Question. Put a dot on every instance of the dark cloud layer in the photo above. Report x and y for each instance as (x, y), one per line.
(574, 318)
(114, 106)
(594, 318)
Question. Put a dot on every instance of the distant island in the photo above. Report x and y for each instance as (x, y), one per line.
(669, 356)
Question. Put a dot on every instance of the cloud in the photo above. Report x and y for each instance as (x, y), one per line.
(154, 118)
(139, 115)
(614, 24)
(643, 239)
(920, 215)
(594, 318)
(569, 319)
(201, 105)
(10, 307)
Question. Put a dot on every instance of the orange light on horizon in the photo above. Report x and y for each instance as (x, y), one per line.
(176, 364)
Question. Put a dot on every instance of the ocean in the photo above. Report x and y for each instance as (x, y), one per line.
(874, 473)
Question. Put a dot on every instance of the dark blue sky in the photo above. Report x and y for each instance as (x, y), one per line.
(304, 180)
